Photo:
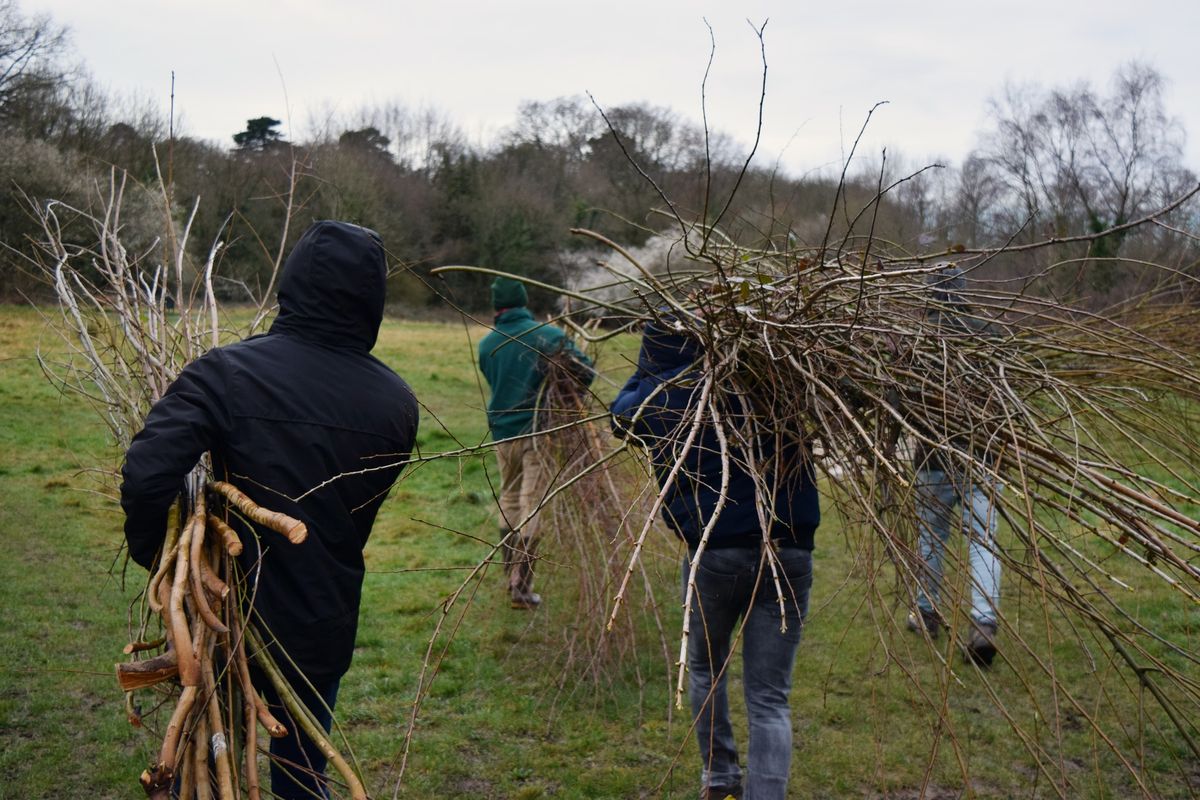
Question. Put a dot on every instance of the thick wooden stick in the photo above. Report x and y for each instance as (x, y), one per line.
(295, 530)
(229, 537)
(140, 674)
(163, 593)
(167, 560)
(250, 746)
(211, 582)
(181, 636)
(186, 782)
(154, 595)
(275, 728)
(199, 600)
(141, 647)
(218, 739)
(199, 753)
(250, 698)
(158, 779)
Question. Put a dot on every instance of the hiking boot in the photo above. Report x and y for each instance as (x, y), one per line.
(721, 793)
(922, 619)
(520, 580)
(981, 645)
(524, 601)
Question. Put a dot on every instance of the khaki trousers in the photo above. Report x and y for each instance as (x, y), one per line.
(522, 487)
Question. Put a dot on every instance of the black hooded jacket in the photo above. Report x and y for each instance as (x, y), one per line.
(281, 414)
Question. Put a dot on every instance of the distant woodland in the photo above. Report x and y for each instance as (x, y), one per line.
(1052, 162)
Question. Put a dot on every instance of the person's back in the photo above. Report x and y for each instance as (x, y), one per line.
(297, 414)
(515, 357)
(511, 358)
(713, 499)
(303, 420)
(657, 405)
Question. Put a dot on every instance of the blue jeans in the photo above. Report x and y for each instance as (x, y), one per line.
(938, 493)
(297, 765)
(735, 584)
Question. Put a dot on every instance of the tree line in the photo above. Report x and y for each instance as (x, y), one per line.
(1052, 163)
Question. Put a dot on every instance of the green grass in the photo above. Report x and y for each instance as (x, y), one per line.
(875, 713)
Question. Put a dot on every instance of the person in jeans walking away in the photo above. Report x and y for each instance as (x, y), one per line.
(282, 415)
(944, 484)
(939, 490)
(733, 579)
(514, 358)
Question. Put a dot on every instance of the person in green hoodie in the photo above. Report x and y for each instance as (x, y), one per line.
(514, 358)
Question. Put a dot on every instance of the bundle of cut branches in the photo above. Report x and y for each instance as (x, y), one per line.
(194, 594)
(1082, 424)
(594, 506)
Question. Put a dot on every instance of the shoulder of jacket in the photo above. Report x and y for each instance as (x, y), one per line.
(214, 360)
(495, 333)
(489, 343)
(549, 334)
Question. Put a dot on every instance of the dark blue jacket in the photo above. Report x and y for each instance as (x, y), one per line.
(662, 424)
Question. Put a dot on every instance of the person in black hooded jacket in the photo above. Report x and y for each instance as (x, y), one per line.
(282, 414)
(733, 579)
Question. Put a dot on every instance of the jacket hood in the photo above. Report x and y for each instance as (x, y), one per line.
(663, 349)
(333, 286)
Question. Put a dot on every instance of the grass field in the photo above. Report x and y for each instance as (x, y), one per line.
(508, 714)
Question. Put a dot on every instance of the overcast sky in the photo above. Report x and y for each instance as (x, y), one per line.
(935, 62)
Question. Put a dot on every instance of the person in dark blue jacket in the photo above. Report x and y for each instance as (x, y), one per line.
(735, 574)
(282, 415)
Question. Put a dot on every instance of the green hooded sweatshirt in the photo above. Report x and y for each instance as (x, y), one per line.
(510, 357)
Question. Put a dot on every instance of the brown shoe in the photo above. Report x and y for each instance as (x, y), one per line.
(525, 601)
(520, 581)
(924, 620)
(981, 645)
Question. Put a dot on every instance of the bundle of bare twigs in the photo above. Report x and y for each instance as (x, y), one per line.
(1084, 423)
(594, 505)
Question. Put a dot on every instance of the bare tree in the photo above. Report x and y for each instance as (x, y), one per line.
(564, 124)
(29, 47)
(1069, 161)
(974, 199)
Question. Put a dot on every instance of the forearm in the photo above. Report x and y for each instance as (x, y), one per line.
(179, 429)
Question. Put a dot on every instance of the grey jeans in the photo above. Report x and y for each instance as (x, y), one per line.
(736, 584)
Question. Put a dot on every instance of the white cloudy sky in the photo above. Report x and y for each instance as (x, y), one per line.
(935, 61)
